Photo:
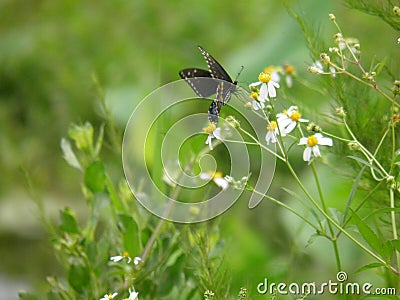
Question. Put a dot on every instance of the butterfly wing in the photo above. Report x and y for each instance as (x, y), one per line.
(216, 70)
(202, 88)
(215, 107)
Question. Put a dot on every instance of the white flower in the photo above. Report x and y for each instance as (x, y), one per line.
(287, 120)
(317, 68)
(133, 295)
(398, 40)
(137, 260)
(109, 296)
(312, 143)
(118, 258)
(272, 132)
(213, 132)
(268, 86)
(256, 103)
(289, 72)
(217, 178)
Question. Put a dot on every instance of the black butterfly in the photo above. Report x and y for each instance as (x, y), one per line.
(206, 88)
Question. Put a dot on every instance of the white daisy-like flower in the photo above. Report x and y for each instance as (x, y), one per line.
(272, 132)
(217, 177)
(118, 258)
(289, 73)
(213, 132)
(287, 120)
(133, 295)
(398, 40)
(312, 143)
(274, 71)
(137, 260)
(318, 68)
(268, 86)
(109, 296)
(256, 103)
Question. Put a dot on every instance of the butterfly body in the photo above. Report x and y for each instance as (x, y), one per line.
(223, 85)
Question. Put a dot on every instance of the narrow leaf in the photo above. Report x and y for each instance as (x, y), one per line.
(368, 234)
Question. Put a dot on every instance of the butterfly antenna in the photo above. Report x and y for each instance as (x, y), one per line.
(237, 76)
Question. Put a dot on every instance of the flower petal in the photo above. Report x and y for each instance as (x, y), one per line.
(116, 258)
(303, 141)
(209, 141)
(316, 151)
(307, 154)
(255, 84)
(271, 89)
(325, 141)
(289, 81)
(222, 183)
(290, 127)
(205, 176)
(263, 93)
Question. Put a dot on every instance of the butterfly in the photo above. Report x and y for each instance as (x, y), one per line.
(205, 88)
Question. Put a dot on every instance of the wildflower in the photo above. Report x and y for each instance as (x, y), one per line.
(211, 129)
(118, 258)
(274, 71)
(317, 68)
(237, 184)
(398, 40)
(208, 295)
(273, 130)
(289, 72)
(325, 58)
(332, 17)
(137, 260)
(287, 120)
(268, 86)
(340, 112)
(109, 296)
(255, 103)
(132, 295)
(217, 177)
(312, 143)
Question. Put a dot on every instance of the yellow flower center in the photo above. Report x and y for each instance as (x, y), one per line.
(295, 116)
(264, 77)
(217, 175)
(289, 69)
(269, 69)
(126, 254)
(271, 126)
(312, 141)
(210, 128)
(254, 95)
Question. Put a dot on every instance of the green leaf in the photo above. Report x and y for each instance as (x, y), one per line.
(83, 136)
(69, 223)
(369, 266)
(396, 244)
(366, 163)
(95, 177)
(78, 277)
(130, 235)
(368, 234)
(27, 296)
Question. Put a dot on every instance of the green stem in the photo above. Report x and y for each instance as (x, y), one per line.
(325, 208)
(333, 222)
(394, 227)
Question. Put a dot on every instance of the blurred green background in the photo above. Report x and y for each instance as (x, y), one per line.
(49, 53)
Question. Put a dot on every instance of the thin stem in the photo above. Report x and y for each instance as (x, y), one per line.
(333, 236)
(353, 239)
(394, 227)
